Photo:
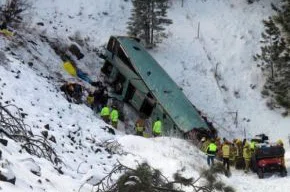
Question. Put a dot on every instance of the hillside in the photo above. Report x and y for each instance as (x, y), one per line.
(31, 73)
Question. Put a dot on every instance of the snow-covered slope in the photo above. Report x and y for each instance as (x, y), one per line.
(229, 36)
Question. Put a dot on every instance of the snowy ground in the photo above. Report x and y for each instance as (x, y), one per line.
(229, 36)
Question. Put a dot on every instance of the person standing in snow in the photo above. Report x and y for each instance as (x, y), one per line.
(247, 156)
(218, 143)
(157, 127)
(205, 144)
(140, 126)
(226, 155)
(104, 98)
(105, 114)
(98, 94)
(90, 99)
(233, 154)
(211, 152)
(114, 116)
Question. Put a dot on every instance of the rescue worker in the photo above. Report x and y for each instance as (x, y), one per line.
(114, 116)
(219, 146)
(226, 155)
(233, 152)
(281, 144)
(90, 99)
(77, 93)
(157, 128)
(201, 142)
(104, 98)
(205, 144)
(239, 160)
(105, 114)
(253, 146)
(211, 152)
(247, 156)
(140, 127)
(98, 95)
(67, 88)
(4, 30)
(73, 92)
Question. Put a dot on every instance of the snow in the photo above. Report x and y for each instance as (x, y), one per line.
(228, 38)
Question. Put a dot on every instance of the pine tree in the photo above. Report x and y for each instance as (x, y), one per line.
(148, 20)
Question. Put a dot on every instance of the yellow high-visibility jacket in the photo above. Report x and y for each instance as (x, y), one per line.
(114, 115)
(6, 32)
(157, 127)
(226, 150)
(105, 111)
(247, 152)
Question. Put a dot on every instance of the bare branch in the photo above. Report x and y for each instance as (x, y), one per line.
(12, 125)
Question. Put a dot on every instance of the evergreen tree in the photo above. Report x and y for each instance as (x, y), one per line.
(274, 58)
(148, 20)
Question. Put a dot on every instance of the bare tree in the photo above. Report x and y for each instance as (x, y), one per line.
(12, 10)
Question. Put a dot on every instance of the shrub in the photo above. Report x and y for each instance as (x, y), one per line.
(12, 10)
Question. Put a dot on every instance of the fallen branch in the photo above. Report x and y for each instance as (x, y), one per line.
(13, 127)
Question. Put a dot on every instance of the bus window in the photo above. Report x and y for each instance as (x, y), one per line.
(119, 84)
(124, 58)
(107, 68)
(148, 105)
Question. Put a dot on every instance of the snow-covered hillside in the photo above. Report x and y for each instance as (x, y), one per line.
(229, 36)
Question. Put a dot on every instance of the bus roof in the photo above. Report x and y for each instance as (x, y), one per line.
(161, 85)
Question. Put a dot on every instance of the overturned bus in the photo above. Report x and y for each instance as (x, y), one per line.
(139, 80)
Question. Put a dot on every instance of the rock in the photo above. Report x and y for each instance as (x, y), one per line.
(59, 170)
(32, 166)
(44, 133)
(4, 142)
(40, 23)
(35, 173)
(109, 130)
(6, 173)
(98, 150)
(30, 64)
(23, 115)
(52, 138)
(74, 49)
(46, 126)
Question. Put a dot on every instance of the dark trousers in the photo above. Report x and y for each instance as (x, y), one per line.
(139, 133)
(210, 160)
(156, 134)
(226, 163)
